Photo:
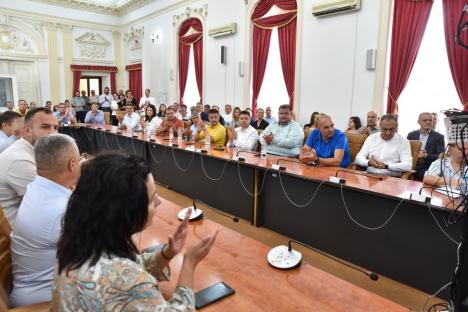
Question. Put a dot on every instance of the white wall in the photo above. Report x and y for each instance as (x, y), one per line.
(334, 78)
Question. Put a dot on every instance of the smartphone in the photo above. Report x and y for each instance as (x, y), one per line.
(212, 294)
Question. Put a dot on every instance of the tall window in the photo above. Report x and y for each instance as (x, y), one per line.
(430, 86)
(190, 61)
(273, 53)
(91, 83)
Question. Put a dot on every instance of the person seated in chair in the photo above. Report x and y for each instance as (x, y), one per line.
(95, 116)
(131, 119)
(284, 137)
(432, 143)
(260, 123)
(386, 152)
(170, 121)
(39, 220)
(214, 129)
(244, 137)
(326, 145)
(450, 171)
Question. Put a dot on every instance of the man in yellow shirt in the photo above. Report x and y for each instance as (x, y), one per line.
(214, 129)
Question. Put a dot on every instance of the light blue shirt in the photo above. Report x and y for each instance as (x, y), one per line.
(270, 120)
(6, 140)
(287, 139)
(99, 119)
(443, 167)
(63, 120)
(105, 100)
(34, 241)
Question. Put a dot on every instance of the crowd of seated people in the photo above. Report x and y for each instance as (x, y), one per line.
(57, 239)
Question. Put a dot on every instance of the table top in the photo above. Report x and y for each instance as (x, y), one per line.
(389, 186)
(241, 262)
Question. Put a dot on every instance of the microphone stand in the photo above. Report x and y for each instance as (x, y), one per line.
(256, 154)
(361, 174)
(372, 275)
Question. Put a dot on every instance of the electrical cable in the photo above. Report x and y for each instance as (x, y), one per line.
(177, 164)
(376, 228)
(440, 227)
(242, 182)
(293, 202)
(153, 145)
(204, 170)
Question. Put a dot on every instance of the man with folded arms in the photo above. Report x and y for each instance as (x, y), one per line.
(284, 137)
(95, 116)
(326, 145)
(386, 152)
(131, 119)
(39, 221)
(170, 121)
(17, 164)
(244, 137)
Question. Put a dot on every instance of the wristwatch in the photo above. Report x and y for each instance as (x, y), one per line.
(386, 166)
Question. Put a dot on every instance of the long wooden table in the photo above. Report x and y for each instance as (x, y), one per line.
(379, 228)
(241, 263)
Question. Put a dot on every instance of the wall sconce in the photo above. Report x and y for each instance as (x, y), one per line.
(154, 37)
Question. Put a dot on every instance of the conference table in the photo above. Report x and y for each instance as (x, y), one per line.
(241, 262)
(369, 220)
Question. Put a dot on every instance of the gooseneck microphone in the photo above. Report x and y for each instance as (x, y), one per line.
(361, 174)
(197, 213)
(293, 160)
(372, 275)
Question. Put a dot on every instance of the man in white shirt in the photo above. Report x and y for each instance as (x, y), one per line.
(10, 129)
(146, 100)
(183, 115)
(387, 152)
(244, 137)
(131, 119)
(105, 100)
(228, 115)
(17, 164)
(39, 221)
(269, 118)
(10, 106)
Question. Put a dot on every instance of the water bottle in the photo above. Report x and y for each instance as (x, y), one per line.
(208, 142)
(179, 136)
(171, 135)
(263, 150)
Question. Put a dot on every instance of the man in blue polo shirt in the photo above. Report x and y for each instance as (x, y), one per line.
(326, 145)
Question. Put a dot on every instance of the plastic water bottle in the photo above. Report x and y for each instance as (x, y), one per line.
(179, 136)
(263, 150)
(171, 134)
(208, 142)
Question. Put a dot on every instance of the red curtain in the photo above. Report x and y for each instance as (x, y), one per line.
(457, 55)
(198, 57)
(113, 87)
(287, 45)
(134, 80)
(186, 41)
(286, 23)
(76, 81)
(409, 23)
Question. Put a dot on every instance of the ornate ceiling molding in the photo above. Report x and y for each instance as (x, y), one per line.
(190, 12)
(96, 7)
(92, 45)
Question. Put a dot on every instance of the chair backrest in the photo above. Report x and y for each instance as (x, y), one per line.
(355, 141)
(306, 134)
(107, 117)
(6, 277)
(415, 149)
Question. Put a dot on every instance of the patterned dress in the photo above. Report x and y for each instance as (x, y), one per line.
(118, 284)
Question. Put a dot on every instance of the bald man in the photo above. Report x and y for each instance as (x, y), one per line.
(326, 145)
(39, 221)
(372, 124)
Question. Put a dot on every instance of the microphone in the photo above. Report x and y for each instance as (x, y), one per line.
(359, 173)
(283, 257)
(256, 154)
(197, 213)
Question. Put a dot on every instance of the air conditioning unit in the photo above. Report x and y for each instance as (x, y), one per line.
(223, 31)
(331, 7)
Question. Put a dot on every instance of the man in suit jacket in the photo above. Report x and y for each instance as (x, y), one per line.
(433, 143)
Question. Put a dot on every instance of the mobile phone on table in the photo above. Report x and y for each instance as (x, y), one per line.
(212, 294)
